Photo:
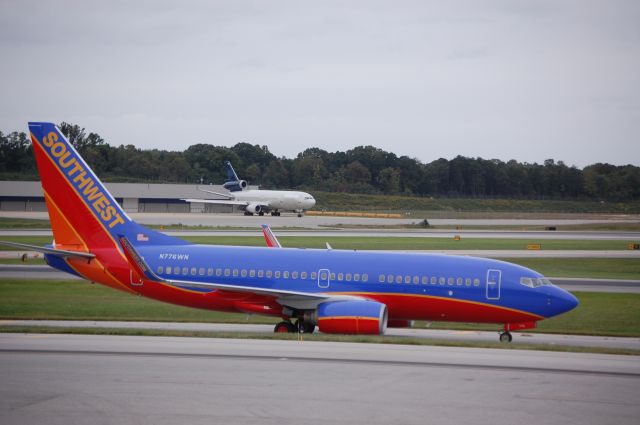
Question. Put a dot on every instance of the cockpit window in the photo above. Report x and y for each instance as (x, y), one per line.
(533, 282)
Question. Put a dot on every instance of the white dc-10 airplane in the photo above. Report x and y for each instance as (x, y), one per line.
(258, 201)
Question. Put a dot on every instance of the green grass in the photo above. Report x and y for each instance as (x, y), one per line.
(23, 223)
(598, 268)
(598, 313)
(332, 201)
(315, 337)
(382, 243)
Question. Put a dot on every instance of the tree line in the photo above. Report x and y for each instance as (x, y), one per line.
(363, 169)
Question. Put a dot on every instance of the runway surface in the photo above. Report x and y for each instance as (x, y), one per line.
(432, 334)
(38, 271)
(73, 379)
(471, 234)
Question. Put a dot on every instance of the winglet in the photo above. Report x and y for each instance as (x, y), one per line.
(136, 260)
(269, 237)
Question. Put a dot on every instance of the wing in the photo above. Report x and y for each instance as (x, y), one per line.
(217, 201)
(51, 251)
(269, 237)
(141, 267)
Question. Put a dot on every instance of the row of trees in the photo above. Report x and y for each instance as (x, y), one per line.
(364, 169)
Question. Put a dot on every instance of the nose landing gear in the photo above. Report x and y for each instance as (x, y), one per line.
(506, 336)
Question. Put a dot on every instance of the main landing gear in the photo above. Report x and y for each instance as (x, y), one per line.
(506, 336)
(275, 213)
(300, 326)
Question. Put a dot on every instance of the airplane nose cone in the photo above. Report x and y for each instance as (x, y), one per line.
(564, 301)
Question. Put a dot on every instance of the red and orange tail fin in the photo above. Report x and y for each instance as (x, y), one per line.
(84, 215)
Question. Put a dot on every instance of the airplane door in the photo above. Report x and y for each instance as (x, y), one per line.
(323, 278)
(493, 284)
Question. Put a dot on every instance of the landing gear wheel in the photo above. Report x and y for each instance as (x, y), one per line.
(506, 337)
(299, 214)
(261, 213)
(285, 327)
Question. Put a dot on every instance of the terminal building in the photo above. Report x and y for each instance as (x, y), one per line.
(133, 197)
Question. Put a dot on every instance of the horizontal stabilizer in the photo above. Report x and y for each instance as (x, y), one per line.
(51, 251)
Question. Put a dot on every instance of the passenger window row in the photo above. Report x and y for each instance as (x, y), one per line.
(277, 274)
(428, 280)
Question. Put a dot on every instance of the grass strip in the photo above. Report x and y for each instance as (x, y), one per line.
(367, 339)
(383, 243)
(606, 314)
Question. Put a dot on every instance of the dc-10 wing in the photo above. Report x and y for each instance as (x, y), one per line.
(220, 201)
(141, 267)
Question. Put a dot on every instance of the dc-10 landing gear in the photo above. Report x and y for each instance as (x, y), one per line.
(506, 336)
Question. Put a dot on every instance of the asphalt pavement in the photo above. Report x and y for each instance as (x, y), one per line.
(80, 379)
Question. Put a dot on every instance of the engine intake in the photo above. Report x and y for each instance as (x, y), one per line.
(254, 208)
(352, 317)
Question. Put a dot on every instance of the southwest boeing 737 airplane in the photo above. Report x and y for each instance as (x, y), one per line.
(337, 291)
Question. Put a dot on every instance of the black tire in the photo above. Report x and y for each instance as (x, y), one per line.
(285, 327)
(506, 337)
(308, 328)
(261, 213)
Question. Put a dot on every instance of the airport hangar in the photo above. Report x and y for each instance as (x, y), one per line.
(133, 197)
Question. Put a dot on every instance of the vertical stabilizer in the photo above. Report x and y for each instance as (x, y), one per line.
(84, 215)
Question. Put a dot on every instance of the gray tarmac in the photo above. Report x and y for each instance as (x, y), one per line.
(422, 333)
(75, 379)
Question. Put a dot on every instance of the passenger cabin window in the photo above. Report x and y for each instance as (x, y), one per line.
(235, 272)
(176, 270)
(260, 273)
(450, 281)
(160, 269)
(434, 280)
(294, 275)
(467, 281)
(442, 281)
(416, 280)
(227, 272)
(168, 270)
(314, 275)
(252, 273)
(340, 276)
(398, 279)
(381, 278)
(277, 274)
(193, 271)
(459, 281)
(210, 272)
(407, 279)
(201, 271)
(285, 275)
(348, 277)
(218, 272)
(476, 282)
(269, 273)
(365, 277)
(185, 271)
(303, 275)
(425, 280)
(356, 277)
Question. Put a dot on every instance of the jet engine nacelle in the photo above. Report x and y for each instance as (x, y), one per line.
(352, 317)
(235, 186)
(254, 208)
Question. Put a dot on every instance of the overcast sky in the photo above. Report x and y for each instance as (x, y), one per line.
(524, 80)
